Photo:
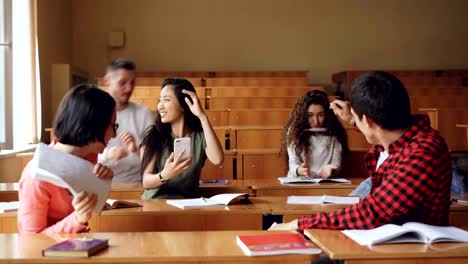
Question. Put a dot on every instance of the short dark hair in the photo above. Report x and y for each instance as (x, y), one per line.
(84, 115)
(121, 64)
(383, 98)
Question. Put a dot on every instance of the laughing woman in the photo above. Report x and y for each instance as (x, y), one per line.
(179, 115)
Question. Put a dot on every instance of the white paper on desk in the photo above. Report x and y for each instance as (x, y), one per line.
(69, 171)
(220, 199)
(322, 199)
(6, 207)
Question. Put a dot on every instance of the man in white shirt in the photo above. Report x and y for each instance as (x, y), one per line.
(121, 153)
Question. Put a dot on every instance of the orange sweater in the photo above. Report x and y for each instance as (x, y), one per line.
(45, 208)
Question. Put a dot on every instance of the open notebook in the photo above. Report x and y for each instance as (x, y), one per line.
(69, 171)
(115, 204)
(410, 232)
(286, 180)
(220, 199)
(323, 199)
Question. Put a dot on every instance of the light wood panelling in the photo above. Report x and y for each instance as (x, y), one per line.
(250, 102)
(445, 121)
(243, 91)
(223, 171)
(154, 91)
(264, 74)
(445, 101)
(256, 82)
(218, 117)
(259, 117)
(260, 164)
(153, 81)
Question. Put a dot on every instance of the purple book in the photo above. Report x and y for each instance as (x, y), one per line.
(78, 247)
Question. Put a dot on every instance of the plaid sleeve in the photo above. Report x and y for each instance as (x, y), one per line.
(416, 179)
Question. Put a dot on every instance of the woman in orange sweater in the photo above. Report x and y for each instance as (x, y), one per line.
(85, 122)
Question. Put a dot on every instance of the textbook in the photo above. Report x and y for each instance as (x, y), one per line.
(220, 199)
(323, 199)
(286, 180)
(6, 207)
(276, 244)
(114, 204)
(70, 172)
(78, 247)
(410, 232)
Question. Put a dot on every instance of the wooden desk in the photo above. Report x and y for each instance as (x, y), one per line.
(279, 206)
(160, 247)
(339, 247)
(8, 192)
(157, 215)
(458, 215)
(272, 187)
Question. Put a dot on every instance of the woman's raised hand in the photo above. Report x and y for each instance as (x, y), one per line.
(195, 107)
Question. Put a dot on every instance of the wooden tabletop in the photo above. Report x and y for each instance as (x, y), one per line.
(338, 246)
(144, 247)
(160, 207)
(280, 206)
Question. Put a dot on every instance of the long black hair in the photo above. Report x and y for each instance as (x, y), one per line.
(294, 131)
(158, 136)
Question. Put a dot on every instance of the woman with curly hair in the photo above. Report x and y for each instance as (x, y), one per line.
(313, 138)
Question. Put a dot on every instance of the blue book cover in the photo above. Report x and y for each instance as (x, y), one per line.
(78, 247)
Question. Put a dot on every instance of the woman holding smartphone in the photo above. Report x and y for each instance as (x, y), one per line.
(180, 115)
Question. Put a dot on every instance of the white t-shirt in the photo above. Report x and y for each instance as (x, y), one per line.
(324, 150)
(382, 157)
(135, 118)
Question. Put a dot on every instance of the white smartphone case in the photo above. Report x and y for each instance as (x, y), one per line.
(182, 144)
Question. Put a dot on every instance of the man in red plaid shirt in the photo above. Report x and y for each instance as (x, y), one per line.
(409, 164)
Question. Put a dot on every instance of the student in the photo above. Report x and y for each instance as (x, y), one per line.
(313, 153)
(179, 115)
(409, 164)
(122, 154)
(85, 122)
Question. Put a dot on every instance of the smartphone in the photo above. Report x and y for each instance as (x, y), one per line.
(182, 144)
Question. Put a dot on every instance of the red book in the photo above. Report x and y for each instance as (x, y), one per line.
(79, 247)
(276, 244)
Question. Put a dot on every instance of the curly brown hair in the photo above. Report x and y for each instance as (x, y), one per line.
(294, 131)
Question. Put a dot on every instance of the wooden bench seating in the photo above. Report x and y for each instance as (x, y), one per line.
(245, 91)
(280, 81)
(221, 74)
(445, 120)
(441, 101)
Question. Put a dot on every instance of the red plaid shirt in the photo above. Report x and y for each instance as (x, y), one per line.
(412, 184)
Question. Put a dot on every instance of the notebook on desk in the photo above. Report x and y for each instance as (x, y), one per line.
(323, 199)
(288, 180)
(410, 232)
(78, 247)
(217, 200)
(6, 207)
(276, 244)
